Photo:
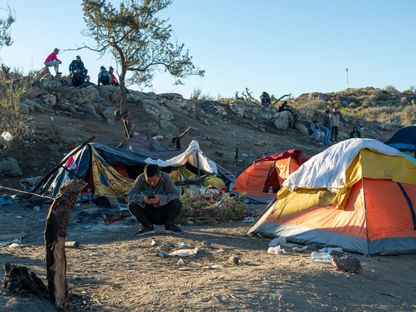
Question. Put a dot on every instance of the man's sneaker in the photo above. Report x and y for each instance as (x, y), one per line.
(145, 230)
(174, 229)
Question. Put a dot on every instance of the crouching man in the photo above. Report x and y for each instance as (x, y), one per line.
(154, 199)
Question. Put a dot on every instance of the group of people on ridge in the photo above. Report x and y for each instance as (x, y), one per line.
(329, 131)
(78, 72)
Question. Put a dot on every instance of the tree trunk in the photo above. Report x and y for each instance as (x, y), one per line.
(124, 115)
(55, 235)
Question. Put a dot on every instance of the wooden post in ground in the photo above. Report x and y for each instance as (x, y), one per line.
(55, 235)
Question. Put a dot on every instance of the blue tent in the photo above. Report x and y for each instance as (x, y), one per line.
(404, 139)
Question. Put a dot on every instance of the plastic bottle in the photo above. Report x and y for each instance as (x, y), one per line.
(323, 257)
(332, 250)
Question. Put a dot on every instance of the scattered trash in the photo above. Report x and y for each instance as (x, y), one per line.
(7, 136)
(161, 254)
(6, 200)
(165, 247)
(184, 252)
(321, 257)
(234, 260)
(277, 241)
(180, 262)
(331, 250)
(300, 249)
(14, 245)
(277, 250)
(72, 244)
(153, 243)
(183, 245)
(214, 267)
(158, 137)
(346, 263)
(15, 242)
(205, 244)
(220, 250)
(249, 219)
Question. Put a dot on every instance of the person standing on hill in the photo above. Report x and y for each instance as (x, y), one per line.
(104, 77)
(327, 127)
(265, 99)
(53, 61)
(154, 199)
(335, 120)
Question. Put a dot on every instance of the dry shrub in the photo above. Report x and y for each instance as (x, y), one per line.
(204, 210)
(408, 115)
(12, 88)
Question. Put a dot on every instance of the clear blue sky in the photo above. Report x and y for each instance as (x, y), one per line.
(291, 46)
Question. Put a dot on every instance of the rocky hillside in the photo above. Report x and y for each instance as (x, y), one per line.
(62, 117)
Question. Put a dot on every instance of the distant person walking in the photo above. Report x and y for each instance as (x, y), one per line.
(53, 61)
(327, 127)
(104, 77)
(335, 120)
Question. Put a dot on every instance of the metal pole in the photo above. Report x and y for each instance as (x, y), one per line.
(347, 77)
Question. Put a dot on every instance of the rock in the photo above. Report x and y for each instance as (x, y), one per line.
(157, 111)
(108, 114)
(35, 92)
(25, 109)
(49, 100)
(168, 126)
(171, 96)
(33, 105)
(85, 95)
(302, 128)
(282, 120)
(106, 92)
(234, 260)
(238, 108)
(347, 263)
(51, 84)
(10, 167)
(219, 110)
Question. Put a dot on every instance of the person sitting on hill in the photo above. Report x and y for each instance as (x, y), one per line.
(293, 114)
(114, 81)
(265, 99)
(355, 133)
(327, 127)
(78, 78)
(283, 107)
(104, 77)
(154, 199)
(315, 131)
(53, 61)
(77, 64)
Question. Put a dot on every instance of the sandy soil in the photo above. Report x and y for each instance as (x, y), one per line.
(114, 270)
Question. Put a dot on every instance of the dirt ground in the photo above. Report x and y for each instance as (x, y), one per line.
(114, 270)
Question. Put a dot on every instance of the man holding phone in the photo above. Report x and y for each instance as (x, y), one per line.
(154, 199)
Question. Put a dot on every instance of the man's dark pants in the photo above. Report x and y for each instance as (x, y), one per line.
(149, 215)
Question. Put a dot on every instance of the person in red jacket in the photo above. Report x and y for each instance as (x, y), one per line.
(53, 61)
(114, 81)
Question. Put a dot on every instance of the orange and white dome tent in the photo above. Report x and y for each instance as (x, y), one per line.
(264, 177)
(359, 194)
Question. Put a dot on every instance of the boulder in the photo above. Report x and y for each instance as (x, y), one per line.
(157, 111)
(238, 108)
(33, 105)
(169, 127)
(10, 167)
(282, 120)
(49, 100)
(108, 114)
(106, 92)
(51, 84)
(84, 95)
(171, 96)
(35, 92)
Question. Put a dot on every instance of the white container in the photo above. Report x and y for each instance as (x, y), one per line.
(321, 257)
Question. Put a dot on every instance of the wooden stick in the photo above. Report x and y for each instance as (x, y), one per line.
(62, 162)
(55, 235)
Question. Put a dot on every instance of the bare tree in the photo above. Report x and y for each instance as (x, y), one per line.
(5, 23)
(140, 41)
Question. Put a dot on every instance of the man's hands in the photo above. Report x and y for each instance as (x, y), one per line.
(152, 200)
